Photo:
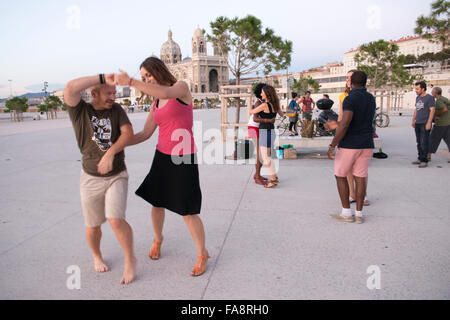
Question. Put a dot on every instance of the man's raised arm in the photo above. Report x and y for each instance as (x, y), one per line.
(72, 91)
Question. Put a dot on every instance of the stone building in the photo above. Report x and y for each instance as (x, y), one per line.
(203, 73)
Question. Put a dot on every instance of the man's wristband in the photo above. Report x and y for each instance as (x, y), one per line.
(101, 77)
(331, 146)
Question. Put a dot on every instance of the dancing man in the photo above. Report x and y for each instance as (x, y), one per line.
(102, 130)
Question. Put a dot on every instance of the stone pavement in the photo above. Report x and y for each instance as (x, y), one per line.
(265, 244)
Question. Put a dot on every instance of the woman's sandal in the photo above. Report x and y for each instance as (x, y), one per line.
(271, 184)
(155, 251)
(200, 267)
(366, 202)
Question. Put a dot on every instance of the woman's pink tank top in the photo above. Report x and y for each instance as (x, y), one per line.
(175, 121)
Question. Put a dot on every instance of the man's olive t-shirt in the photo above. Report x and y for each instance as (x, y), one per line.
(96, 131)
(444, 120)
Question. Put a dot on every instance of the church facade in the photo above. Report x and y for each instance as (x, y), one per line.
(204, 74)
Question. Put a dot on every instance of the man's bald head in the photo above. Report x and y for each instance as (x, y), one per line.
(437, 91)
(103, 95)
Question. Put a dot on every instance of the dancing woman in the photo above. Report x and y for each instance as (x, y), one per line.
(173, 180)
(268, 110)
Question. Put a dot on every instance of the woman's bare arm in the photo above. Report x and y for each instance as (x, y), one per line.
(179, 90)
(262, 107)
(149, 128)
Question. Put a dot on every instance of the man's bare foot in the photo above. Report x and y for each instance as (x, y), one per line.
(129, 272)
(100, 265)
(260, 180)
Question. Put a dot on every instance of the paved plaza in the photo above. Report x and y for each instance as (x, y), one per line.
(265, 244)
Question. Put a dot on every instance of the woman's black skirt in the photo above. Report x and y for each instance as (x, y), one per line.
(173, 183)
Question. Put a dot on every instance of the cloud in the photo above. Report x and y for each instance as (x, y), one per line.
(51, 87)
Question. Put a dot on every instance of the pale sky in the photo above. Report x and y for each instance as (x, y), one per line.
(56, 41)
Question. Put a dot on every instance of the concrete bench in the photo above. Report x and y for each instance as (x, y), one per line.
(318, 142)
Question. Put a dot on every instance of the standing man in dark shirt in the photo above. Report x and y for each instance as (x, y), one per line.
(422, 122)
(354, 137)
(102, 130)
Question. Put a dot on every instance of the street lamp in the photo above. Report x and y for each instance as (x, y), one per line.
(10, 88)
(45, 88)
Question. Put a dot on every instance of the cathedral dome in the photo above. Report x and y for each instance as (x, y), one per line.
(170, 51)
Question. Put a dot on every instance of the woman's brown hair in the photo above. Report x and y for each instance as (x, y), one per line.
(159, 71)
(347, 88)
(272, 97)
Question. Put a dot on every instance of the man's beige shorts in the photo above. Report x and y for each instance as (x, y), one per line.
(103, 198)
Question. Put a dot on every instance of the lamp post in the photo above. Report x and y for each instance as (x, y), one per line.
(45, 95)
(45, 88)
(10, 88)
(288, 87)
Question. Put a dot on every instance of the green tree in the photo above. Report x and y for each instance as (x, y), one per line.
(401, 77)
(44, 107)
(127, 102)
(440, 56)
(443, 56)
(17, 104)
(148, 100)
(250, 47)
(436, 26)
(377, 59)
(54, 103)
(426, 57)
(303, 84)
(51, 104)
(410, 59)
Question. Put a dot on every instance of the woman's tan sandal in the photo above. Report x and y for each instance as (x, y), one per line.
(271, 184)
(200, 267)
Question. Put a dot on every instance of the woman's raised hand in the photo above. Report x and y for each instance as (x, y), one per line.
(110, 79)
(121, 79)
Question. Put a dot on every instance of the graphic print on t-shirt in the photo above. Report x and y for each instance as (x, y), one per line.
(102, 132)
(420, 105)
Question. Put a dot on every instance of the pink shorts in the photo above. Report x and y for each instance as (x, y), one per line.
(253, 132)
(352, 160)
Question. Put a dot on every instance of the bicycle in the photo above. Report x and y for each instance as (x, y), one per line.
(282, 124)
(381, 120)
